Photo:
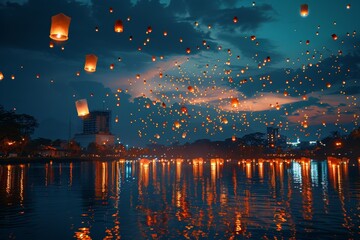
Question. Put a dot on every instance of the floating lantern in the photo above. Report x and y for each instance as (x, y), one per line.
(59, 29)
(82, 107)
(90, 63)
(304, 10)
(1, 76)
(334, 37)
(234, 102)
(235, 19)
(184, 109)
(118, 27)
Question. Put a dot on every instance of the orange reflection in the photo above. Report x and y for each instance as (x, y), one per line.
(101, 180)
(83, 233)
(144, 172)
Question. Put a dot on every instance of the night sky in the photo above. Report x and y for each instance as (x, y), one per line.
(294, 73)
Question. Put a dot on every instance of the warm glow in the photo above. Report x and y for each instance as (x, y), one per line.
(82, 107)
(118, 27)
(90, 63)
(59, 30)
(304, 10)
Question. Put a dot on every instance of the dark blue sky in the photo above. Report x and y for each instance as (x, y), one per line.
(308, 90)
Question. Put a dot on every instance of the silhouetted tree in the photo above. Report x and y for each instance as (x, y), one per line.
(15, 130)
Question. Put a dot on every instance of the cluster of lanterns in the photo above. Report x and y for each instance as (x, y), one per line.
(59, 32)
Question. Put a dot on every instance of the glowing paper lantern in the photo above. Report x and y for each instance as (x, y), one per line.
(90, 63)
(1, 76)
(59, 29)
(119, 27)
(184, 109)
(82, 107)
(304, 10)
(234, 102)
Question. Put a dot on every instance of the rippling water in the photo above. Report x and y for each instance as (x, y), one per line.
(179, 199)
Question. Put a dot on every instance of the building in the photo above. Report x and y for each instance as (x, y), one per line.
(275, 139)
(96, 129)
(272, 135)
(97, 122)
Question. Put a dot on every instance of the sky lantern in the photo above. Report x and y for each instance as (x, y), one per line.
(334, 37)
(234, 102)
(304, 10)
(118, 27)
(112, 66)
(149, 29)
(1, 76)
(224, 120)
(82, 107)
(233, 138)
(235, 19)
(59, 29)
(190, 88)
(90, 63)
(184, 109)
(177, 124)
(188, 50)
(51, 45)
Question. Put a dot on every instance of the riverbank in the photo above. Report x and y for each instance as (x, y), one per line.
(26, 160)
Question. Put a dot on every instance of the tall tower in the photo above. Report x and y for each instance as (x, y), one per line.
(96, 129)
(272, 136)
(97, 122)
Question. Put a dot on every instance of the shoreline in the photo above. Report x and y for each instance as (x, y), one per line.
(26, 160)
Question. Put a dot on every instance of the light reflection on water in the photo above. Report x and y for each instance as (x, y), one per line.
(179, 198)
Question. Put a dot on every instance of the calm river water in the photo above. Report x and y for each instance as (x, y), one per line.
(181, 199)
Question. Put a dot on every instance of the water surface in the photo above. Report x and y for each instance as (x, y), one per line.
(180, 199)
